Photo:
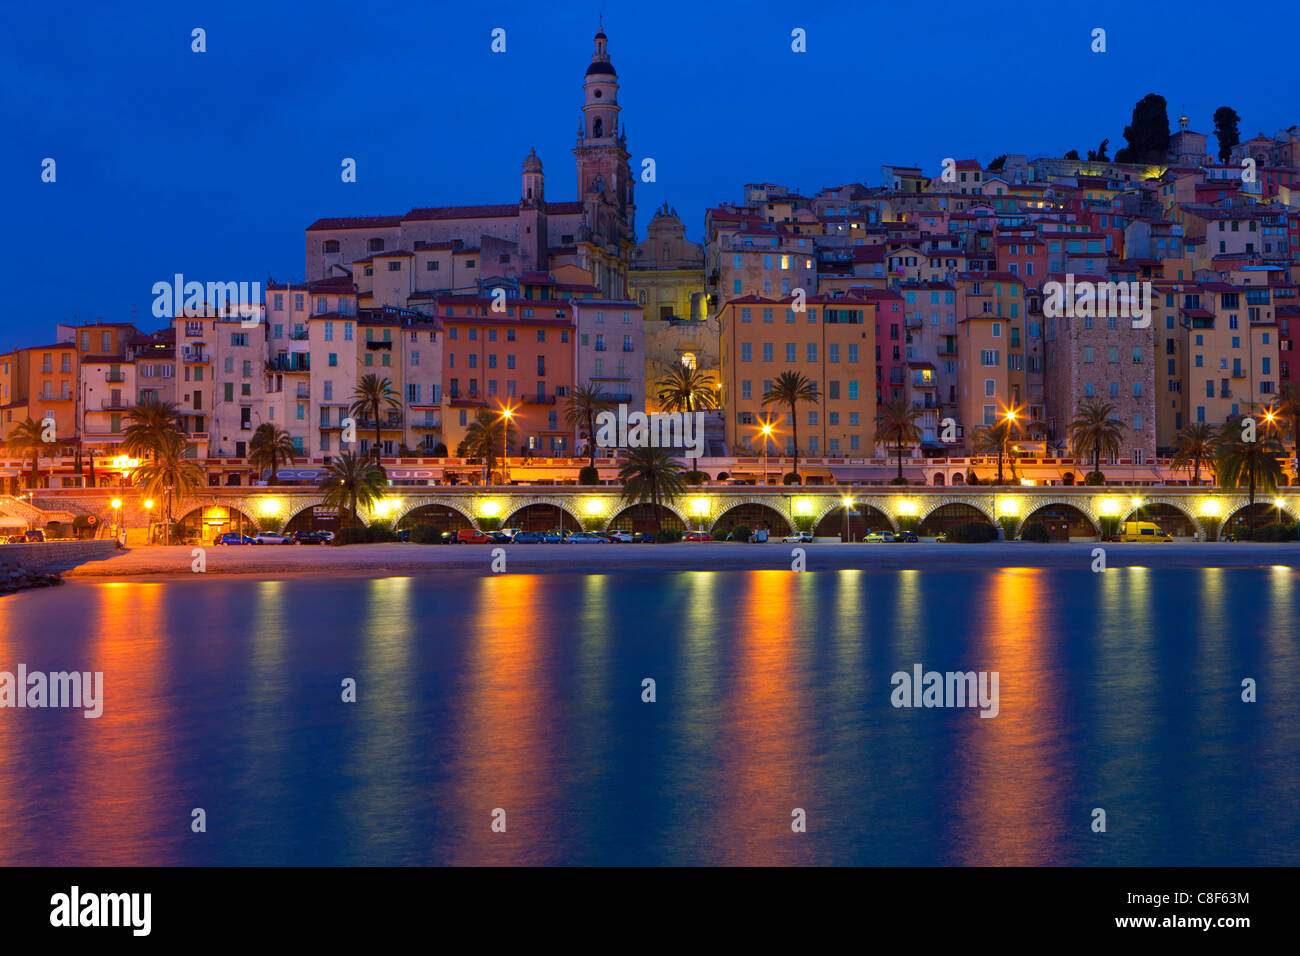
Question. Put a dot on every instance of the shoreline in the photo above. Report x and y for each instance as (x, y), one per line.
(383, 560)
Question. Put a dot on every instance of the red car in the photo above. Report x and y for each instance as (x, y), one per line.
(697, 536)
(471, 536)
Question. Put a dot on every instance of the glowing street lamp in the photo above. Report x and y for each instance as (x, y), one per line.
(148, 533)
(507, 415)
(766, 429)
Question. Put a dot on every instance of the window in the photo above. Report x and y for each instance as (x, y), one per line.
(239, 339)
(767, 352)
(812, 351)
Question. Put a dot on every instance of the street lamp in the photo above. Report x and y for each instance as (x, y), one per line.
(766, 429)
(507, 415)
(117, 519)
(148, 533)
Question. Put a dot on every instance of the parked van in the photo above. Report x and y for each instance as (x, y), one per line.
(471, 536)
(1143, 531)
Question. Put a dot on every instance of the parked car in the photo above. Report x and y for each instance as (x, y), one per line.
(471, 536)
(510, 532)
(642, 537)
(587, 537)
(619, 537)
(270, 537)
(697, 536)
(875, 537)
(403, 534)
(1143, 531)
(528, 537)
(309, 537)
(328, 536)
(234, 538)
(906, 536)
(799, 537)
(36, 534)
(499, 537)
(555, 536)
(16, 539)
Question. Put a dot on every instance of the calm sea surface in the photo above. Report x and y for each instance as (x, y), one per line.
(523, 692)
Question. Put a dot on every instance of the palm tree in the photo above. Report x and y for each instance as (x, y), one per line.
(1192, 446)
(151, 426)
(789, 389)
(1251, 463)
(585, 403)
(653, 475)
(482, 440)
(27, 438)
(993, 440)
(897, 426)
(686, 389)
(270, 446)
(371, 396)
(1288, 408)
(168, 471)
(1094, 431)
(351, 481)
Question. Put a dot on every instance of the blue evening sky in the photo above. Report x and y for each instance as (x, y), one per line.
(212, 164)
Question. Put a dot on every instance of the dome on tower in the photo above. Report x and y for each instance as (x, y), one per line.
(531, 163)
(605, 67)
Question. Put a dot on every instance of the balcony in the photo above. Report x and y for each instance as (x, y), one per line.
(539, 399)
(428, 423)
(298, 335)
(291, 362)
(196, 357)
(119, 404)
(303, 391)
(376, 346)
(115, 378)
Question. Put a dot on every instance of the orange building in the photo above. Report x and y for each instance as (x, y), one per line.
(832, 342)
(40, 382)
(522, 358)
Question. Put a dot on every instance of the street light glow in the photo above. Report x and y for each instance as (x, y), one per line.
(117, 502)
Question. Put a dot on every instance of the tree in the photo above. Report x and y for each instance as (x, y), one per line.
(1072, 154)
(687, 390)
(897, 427)
(1147, 134)
(1225, 128)
(585, 403)
(351, 481)
(270, 446)
(1251, 463)
(1099, 154)
(1288, 408)
(993, 440)
(789, 389)
(372, 396)
(168, 471)
(1095, 432)
(482, 439)
(653, 475)
(998, 163)
(152, 425)
(1193, 446)
(26, 438)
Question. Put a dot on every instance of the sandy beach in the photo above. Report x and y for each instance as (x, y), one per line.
(389, 559)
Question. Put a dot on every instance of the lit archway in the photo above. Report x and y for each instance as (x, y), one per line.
(755, 516)
(1063, 522)
(641, 517)
(439, 516)
(542, 517)
(866, 519)
(1169, 518)
(319, 517)
(1241, 521)
(946, 517)
(206, 524)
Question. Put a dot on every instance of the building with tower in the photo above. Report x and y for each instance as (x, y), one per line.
(454, 250)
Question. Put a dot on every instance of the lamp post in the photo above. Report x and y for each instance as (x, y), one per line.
(766, 429)
(507, 414)
(117, 519)
(148, 533)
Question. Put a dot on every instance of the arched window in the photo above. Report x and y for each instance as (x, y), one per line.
(597, 127)
(642, 297)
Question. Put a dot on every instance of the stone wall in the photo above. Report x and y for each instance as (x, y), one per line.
(54, 555)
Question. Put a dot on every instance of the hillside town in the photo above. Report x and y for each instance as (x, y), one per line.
(918, 318)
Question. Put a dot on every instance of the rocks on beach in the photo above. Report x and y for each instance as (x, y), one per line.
(17, 578)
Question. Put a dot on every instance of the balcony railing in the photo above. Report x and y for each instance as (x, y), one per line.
(195, 356)
(115, 378)
(304, 391)
(114, 404)
(298, 335)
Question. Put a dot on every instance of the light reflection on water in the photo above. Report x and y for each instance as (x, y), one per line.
(523, 693)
